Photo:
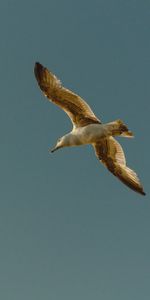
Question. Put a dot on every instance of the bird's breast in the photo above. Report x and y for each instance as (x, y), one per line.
(89, 134)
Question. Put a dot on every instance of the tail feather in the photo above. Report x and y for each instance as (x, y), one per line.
(119, 128)
(127, 134)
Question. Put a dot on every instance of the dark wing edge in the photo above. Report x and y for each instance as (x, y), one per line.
(76, 108)
(111, 154)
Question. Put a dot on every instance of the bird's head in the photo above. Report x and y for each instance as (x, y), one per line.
(61, 142)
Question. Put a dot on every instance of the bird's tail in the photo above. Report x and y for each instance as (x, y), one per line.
(119, 128)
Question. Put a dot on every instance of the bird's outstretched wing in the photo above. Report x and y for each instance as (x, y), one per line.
(76, 108)
(111, 154)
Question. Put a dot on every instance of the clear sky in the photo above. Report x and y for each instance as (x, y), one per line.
(69, 229)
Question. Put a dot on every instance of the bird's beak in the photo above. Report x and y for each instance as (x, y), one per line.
(55, 148)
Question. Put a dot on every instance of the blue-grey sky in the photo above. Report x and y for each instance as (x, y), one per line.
(68, 228)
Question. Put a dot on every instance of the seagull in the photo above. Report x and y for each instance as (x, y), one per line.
(88, 129)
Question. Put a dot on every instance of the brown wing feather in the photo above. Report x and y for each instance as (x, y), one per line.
(111, 154)
(76, 108)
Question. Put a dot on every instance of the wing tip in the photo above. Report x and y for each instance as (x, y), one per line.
(137, 188)
(37, 64)
(38, 68)
(142, 193)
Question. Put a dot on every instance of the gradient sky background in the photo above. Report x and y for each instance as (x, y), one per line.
(69, 229)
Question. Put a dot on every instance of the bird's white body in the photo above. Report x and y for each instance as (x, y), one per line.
(87, 135)
(91, 134)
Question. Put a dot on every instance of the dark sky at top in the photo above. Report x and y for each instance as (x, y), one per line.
(69, 229)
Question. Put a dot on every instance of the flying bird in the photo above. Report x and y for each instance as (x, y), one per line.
(88, 129)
